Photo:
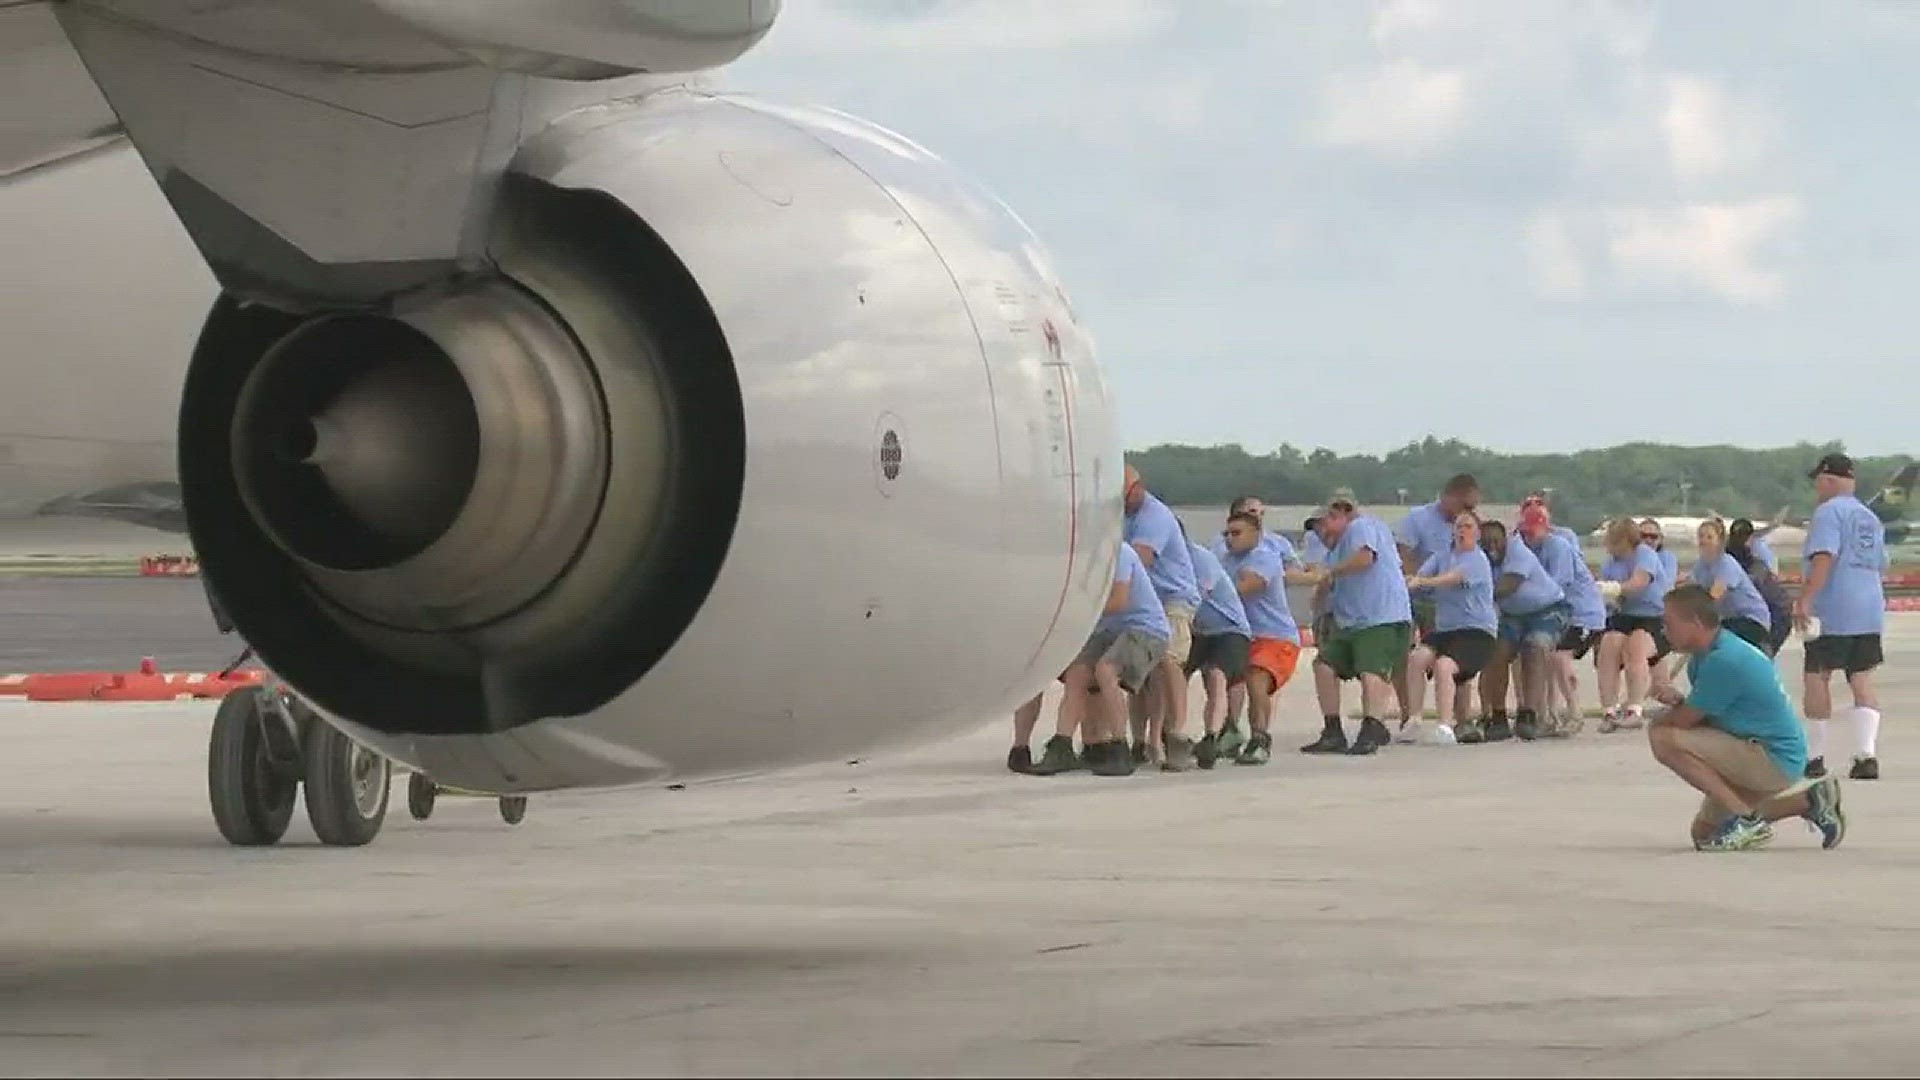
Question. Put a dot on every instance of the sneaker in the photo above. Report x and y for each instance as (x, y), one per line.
(1113, 760)
(1816, 768)
(1864, 768)
(1470, 731)
(1258, 751)
(1824, 813)
(1372, 736)
(1527, 726)
(1738, 834)
(1206, 751)
(1498, 729)
(1438, 734)
(1332, 740)
(1564, 724)
(1632, 719)
(1179, 755)
(1020, 759)
(1609, 721)
(1409, 732)
(1140, 753)
(1231, 739)
(1059, 757)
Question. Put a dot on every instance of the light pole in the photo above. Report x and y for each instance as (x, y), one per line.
(1403, 496)
(1686, 496)
(1548, 493)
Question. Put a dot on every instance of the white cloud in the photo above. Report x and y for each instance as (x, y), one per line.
(1403, 108)
(1709, 131)
(1716, 247)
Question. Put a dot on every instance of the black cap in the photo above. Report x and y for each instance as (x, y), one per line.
(1833, 465)
(1311, 523)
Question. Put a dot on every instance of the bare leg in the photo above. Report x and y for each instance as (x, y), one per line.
(1326, 689)
(1375, 692)
(1494, 680)
(1639, 670)
(1259, 700)
(1608, 660)
(1024, 719)
(1215, 682)
(1110, 705)
(1535, 673)
(1236, 702)
(1419, 662)
(1173, 715)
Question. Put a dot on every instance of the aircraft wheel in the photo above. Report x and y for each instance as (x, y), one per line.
(252, 798)
(513, 808)
(421, 793)
(346, 787)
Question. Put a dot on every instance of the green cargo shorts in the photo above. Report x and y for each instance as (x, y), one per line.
(1370, 650)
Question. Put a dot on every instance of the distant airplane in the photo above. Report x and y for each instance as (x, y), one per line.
(1889, 504)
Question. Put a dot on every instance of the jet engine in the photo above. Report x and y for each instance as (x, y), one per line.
(761, 437)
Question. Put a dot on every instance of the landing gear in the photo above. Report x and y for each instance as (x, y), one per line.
(265, 743)
(422, 793)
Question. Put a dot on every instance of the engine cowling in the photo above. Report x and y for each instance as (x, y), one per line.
(765, 438)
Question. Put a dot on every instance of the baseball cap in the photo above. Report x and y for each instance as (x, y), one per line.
(1341, 499)
(1833, 465)
(1537, 498)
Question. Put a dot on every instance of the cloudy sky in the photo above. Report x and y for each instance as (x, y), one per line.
(1528, 223)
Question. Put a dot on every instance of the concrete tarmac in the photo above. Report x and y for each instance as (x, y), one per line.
(108, 624)
(1496, 910)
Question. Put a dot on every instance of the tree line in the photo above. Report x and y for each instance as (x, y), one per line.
(1586, 487)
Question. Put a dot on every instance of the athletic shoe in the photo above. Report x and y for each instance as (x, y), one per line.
(1258, 751)
(1409, 732)
(1438, 735)
(1470, 732)
(1498, 729)
(1332, 740)
(1020, 759)
(1824, 813)
(1114, 760)
(1527, 726)
(1059, 757)
(1816, 768)
(1231, 739)
(1206, 751)
(1741, 833)
(1864, 768)
(1179, 754)
(1372, 736)
(1609, 721)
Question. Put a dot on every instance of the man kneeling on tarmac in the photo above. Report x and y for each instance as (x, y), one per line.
(1734, 737)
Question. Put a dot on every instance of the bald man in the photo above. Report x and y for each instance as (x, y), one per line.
(1156, 536)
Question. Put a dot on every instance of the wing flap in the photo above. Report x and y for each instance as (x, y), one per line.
(50, 110)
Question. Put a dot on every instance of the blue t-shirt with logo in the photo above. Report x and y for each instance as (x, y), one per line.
(1143, 611)
(1154, 526)
(1559, 552)
(1376, 596)
(1220, 609)
(1647, 602)
(1537, 592)
(1854, 599)
(1268, 614)
(1741, 600)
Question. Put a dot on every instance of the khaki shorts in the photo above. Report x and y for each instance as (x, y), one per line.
(1132, 654)
(1742, 763)
(1180, 645)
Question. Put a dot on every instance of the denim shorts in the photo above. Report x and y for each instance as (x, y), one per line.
(1541, 629)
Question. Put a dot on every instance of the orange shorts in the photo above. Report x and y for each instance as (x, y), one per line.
(1275, 657)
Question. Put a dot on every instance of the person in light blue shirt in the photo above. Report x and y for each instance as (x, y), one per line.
(1120, 655)
(1534, 616)
(1366, 591)
(1558, 549)
(1459, 581)
(1653, 535)
(1733, 736)
(1221, 643)
(1158, 538)
(1842, 566)
(1251, 504)
(1756, 545)
(1260, 577)
(1635, 639)
(1743, 611)
(1427, 530)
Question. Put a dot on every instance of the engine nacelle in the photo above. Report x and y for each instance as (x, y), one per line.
(769, 439)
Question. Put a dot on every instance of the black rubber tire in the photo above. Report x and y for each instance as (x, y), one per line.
(513, 808)
(421, 793)
(252, 801)
(336, 818)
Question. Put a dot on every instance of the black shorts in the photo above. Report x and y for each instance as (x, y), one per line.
(1851, 653)
(1226, 653)
(1579, 641)
(1751, 632)
(1470, 650)
(1652, 624)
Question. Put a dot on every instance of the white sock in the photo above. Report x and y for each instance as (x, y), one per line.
(1866, 729)
(1816, 737)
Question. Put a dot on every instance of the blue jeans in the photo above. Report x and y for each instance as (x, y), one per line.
(1541, 629)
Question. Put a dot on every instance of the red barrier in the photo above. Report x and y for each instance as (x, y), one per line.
(169, 566)
(145, 684)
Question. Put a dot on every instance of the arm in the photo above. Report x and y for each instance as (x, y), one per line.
(1637, 582)
(1819, 569)
(1409, 563)
(1448, 580)
(1250, 583)
(1679, 714)
(1506, 585)
(1353, 564)
(1146, 553)
(1118, 597)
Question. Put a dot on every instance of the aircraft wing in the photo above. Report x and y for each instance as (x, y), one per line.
(53, 110)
